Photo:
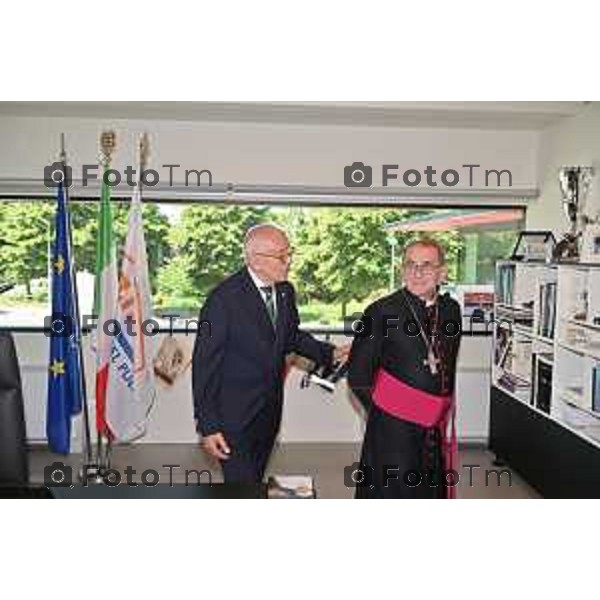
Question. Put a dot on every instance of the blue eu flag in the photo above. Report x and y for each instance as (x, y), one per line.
(65, 392)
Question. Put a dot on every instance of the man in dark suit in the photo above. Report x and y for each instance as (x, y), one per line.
(247, 326)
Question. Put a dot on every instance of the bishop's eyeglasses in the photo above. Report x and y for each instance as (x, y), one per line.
(426, 268)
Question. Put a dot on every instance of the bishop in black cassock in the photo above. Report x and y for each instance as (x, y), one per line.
(397, 453)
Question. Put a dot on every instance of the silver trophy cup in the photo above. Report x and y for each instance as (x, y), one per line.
(574, 186)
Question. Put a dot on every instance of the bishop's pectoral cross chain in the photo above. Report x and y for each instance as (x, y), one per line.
(431, 362)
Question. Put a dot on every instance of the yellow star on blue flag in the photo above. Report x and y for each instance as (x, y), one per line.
(57, 368)
(59, 264)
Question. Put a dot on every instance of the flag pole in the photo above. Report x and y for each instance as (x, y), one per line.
(104, 445)
(87, 444)
(144, 153)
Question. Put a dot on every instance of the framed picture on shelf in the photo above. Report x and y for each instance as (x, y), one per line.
(534, 246)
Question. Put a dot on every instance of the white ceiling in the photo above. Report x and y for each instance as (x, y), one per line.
(479, 115)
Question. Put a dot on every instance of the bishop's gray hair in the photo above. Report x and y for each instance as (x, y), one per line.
(429, 243)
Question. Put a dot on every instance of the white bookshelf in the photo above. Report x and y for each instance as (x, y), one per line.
(571, 349)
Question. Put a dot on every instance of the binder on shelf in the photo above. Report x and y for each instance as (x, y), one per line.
(543, 378)
(596, 388)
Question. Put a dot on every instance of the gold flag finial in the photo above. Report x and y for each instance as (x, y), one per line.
(144, 150)
(108, 143)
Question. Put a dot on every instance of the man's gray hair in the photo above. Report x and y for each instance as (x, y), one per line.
(254, 232)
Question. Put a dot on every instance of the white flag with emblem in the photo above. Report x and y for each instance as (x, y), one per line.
(131, 385)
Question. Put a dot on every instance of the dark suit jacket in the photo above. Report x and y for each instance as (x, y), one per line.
(239, 357)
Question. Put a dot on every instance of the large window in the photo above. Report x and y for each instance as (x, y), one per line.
(345, 256)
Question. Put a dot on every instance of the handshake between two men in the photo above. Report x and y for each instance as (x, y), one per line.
(216, 444)
(238, 371)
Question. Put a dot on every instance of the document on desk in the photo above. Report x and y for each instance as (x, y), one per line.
(291, 487)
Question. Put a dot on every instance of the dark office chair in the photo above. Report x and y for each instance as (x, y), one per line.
(14, 468)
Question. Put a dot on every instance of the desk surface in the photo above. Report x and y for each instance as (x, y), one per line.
(162, 491)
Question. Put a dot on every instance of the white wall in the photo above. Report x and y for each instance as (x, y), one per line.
(267, 154)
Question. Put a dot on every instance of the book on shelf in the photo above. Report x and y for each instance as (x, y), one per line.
(547, 312)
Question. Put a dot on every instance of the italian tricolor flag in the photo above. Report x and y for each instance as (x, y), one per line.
(105, 305)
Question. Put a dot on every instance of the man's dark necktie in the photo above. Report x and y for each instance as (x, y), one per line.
(270, 303)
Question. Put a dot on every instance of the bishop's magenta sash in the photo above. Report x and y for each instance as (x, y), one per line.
(402, 401)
